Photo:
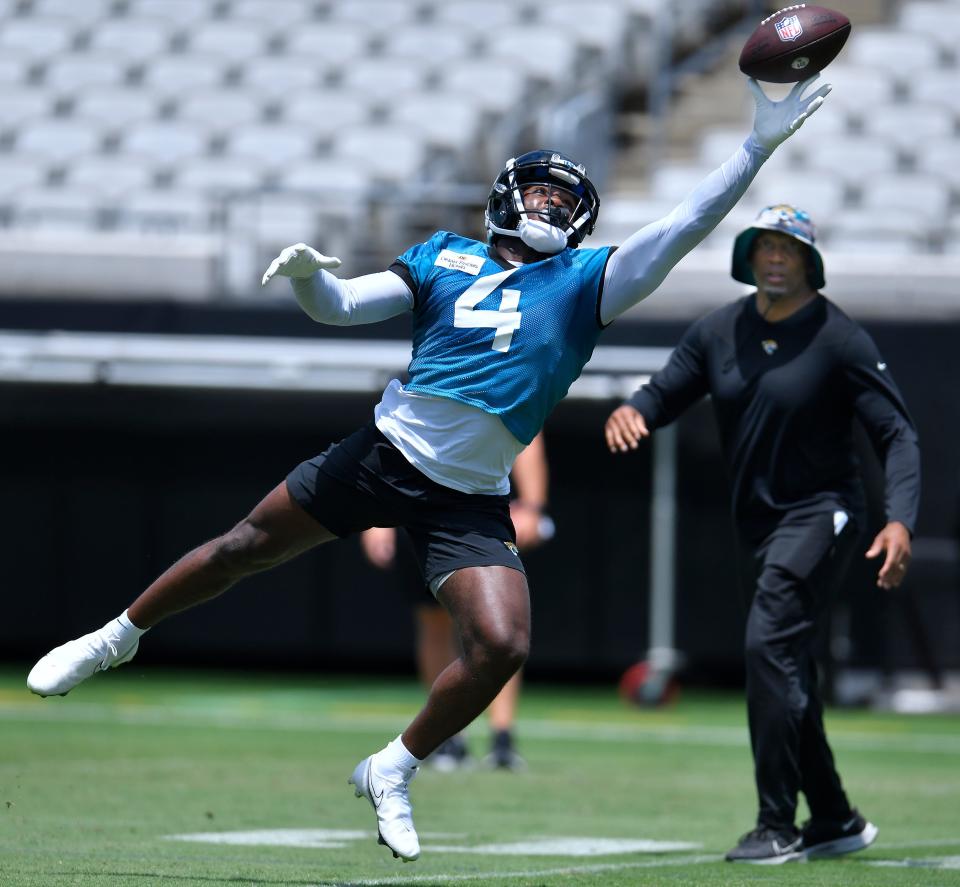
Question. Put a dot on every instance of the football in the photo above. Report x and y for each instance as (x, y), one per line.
(794, 43)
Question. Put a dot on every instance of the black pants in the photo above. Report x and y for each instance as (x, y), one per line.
(789, 581)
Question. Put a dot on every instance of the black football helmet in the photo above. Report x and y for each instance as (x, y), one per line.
(554, 170)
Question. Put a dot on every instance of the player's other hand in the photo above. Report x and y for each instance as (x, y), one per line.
(894, 539)
(773, 121)
(624, 429)
(380, 546)
(299, 260)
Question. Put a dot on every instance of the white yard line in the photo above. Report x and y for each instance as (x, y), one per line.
(172, 715)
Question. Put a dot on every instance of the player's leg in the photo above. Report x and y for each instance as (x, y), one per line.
(490, 606)
(276, 530)
(502, 714)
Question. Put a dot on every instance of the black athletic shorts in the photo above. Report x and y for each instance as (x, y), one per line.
(364, 481)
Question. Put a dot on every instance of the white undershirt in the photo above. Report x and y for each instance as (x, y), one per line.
(461, 446)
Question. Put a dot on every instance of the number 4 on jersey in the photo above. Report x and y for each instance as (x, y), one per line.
(505, 320)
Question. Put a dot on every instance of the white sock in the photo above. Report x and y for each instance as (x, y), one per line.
(127, 629)
(396, 755)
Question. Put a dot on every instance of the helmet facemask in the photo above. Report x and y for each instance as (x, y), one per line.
(551, 228)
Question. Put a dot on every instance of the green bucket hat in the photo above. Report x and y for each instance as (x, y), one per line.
(787, 220)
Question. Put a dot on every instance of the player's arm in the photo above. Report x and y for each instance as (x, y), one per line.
(670, 391)
(531, 482)
(883, 414)
(328, 299)
(640, 265)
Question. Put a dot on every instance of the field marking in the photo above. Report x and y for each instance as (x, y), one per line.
(944, 863)
(594, 869)
(336, 839)
(174, 716)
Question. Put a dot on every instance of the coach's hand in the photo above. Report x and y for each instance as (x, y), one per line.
(894, 539)
(299, 260)
(773, 121)
(624, 429)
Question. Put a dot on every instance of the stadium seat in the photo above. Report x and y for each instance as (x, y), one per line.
(389, 154)
(218, 174)
(272, 145)
(440, 42)
(179, 13)
(132, 39)
(856, 159)
(163, 141)
(324, 112)
(385, 15)
(938, 86)
(115, 106)
(109, 176)
(237, 41)
(172, 75)
(269, 12)
(56, 207)
(383, 80)
(281, 76)
(875, 244)
(857, 88)
(906, 124)
(78, 72)
(167, 211)
(876, 47)
(86, 13)
(17, 173)
(939, 157)
(496, 88)
(14, 68)
(479, 16)
(821, 193)
(43, 39)
(331, 179)
(58, 139)
(330, 45)
(215, 110)
(555, 61)
(442, 119)
(605, 28)
(851, 226)
(919, 195)
(25, 106)
(673, 182)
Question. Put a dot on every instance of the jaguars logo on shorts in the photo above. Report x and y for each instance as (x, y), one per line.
(511, 548)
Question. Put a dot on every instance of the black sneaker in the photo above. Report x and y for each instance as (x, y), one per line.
(824, 838)
(503, 756)
(768, 846)
(451, 754)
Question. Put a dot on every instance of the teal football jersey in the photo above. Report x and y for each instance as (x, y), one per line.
(508, 340)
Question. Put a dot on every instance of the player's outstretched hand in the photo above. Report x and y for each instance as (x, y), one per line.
(624, 429)
(299, 260)
(773, 121)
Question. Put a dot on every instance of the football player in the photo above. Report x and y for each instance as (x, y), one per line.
(500, 331)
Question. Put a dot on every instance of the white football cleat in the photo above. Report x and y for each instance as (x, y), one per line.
(389, 794)
(73, 662)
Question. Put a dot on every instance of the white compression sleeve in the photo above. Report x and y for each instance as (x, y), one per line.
(639, 266)
(367, 299)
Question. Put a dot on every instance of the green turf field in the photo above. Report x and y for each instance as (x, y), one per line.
(95, 787)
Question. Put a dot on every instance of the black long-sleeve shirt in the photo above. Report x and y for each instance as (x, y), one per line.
(785, 395)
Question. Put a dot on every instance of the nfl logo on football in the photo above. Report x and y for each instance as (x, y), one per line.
(789, 28)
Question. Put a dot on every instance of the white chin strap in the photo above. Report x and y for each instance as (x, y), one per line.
(541, 236)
